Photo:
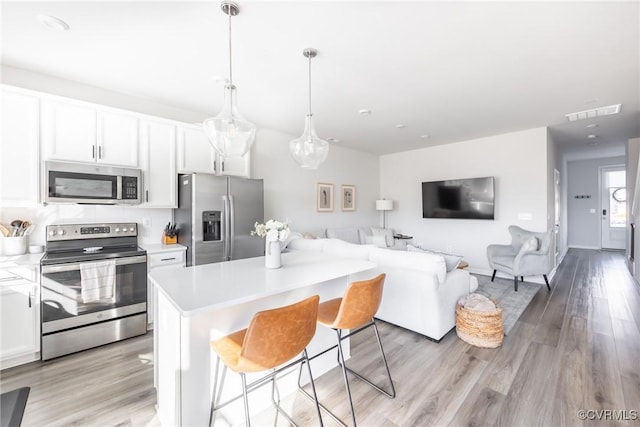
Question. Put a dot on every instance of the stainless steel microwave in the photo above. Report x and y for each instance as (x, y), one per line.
(92, 184)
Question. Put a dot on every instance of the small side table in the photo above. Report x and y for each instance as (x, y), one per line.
(462, 265)
(402, 237)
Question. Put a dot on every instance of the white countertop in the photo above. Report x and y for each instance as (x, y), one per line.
(158, 248)
(207, 287)
(22, 260)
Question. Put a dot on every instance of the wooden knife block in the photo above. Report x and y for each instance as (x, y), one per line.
(166, 240)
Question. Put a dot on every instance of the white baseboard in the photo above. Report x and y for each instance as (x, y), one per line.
(596, 248)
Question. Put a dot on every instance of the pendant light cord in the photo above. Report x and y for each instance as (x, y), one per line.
(310, 85)
(230, 67)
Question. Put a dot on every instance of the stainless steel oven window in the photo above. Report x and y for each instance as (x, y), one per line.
(61, 289)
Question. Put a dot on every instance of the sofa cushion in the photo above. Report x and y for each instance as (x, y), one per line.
(421, 261)
(386, 232)
(378, 241)
(349, 234)
(341, 248)
(452, 261)
(364, 232)
(312, 245)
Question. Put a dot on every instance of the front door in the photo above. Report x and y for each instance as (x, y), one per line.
(613, 207)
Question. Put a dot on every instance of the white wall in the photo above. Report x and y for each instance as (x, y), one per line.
(290, 192)
(583, 179)
(517, 160)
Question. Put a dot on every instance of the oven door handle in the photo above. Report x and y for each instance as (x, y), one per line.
(76, 265)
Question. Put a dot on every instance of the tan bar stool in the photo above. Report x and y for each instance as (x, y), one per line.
(355, 312)
(273, 337)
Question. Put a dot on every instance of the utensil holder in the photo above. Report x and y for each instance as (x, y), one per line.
(15, 245)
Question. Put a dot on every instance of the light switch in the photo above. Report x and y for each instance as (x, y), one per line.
(592, 211)
(525, 216)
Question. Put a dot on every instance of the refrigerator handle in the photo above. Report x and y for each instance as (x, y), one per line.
(225, 227)
(232, 234)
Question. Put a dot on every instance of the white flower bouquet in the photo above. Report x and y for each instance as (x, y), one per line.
(272, 230)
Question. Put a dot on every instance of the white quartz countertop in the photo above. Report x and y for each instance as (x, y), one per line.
(23, 260)
(208, 287)
(158, 248)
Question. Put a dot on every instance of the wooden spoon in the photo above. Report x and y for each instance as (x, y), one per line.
(4, 230)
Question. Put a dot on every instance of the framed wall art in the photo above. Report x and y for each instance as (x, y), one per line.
(325, 197)
(348, 197)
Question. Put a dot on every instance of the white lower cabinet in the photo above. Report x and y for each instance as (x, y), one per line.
(161, 256)
(19, 323)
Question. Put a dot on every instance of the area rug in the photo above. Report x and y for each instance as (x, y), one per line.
(512, 303)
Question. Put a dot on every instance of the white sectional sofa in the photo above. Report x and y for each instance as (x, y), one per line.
(419, 293)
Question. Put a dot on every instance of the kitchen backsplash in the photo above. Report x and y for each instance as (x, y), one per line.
(151, 222)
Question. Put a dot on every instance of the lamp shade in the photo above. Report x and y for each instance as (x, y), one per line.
(384, 205)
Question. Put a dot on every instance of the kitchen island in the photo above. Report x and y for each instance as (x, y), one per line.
(198, 304)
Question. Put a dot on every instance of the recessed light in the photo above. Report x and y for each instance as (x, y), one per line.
(364, 112)
(53, 23)
(425, 136)
(592, 136)
(592, 125)
(400, 126)
(332, 139)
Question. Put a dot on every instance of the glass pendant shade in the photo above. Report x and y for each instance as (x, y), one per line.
(230, 134)
(309, 151)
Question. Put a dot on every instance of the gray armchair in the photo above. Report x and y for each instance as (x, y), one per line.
(523, 257)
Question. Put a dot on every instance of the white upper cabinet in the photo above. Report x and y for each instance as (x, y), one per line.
(158, 150)
(195, 154)
(19, 148)
(117, 138)
(236, 166)
(78, 131)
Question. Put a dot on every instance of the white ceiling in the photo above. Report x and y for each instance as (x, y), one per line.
(453, 70)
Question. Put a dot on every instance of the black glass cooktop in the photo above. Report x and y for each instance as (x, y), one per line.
(93, 253)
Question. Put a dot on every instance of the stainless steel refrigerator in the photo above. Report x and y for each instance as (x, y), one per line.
(215, 217)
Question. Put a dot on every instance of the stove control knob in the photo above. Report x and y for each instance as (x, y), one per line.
(132, 229)
(52, 233)
(117, 229)
(61, 232)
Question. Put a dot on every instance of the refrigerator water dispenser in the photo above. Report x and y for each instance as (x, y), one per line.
(211, 226)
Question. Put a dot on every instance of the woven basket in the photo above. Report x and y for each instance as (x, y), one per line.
(479, 328)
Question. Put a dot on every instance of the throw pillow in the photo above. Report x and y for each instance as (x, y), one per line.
(530, 245)
(378, 241)
(387, 233)
(450, 260)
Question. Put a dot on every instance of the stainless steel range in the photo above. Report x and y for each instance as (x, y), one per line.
(94, 287)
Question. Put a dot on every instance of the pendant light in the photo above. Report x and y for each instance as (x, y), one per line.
(309, 151)
(230, 134)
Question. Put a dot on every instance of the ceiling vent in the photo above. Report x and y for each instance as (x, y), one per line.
(596, 112)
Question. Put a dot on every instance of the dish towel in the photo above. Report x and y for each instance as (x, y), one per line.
(98, 281)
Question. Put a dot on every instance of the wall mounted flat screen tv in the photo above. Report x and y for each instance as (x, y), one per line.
(471, 198)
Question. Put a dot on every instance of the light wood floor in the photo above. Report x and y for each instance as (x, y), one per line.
(576, 347)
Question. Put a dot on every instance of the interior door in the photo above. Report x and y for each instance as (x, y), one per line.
(613, 207)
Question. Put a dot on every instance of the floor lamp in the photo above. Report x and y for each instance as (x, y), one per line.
(384, 205)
